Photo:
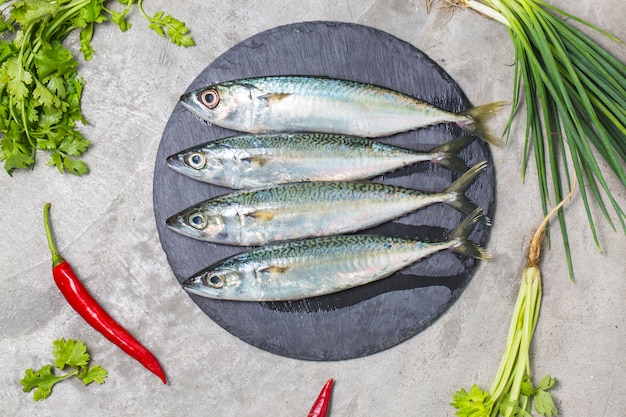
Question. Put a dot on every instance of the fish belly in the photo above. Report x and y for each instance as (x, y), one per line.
(330, 268)
(360, 118)
(324, 214)
(338, 106)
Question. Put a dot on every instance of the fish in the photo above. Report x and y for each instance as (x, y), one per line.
(309, 209)
(252, 161)
(324, 265)
(273, 104)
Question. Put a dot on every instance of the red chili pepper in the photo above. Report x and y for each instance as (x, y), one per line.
(321, 404)
(89, 309)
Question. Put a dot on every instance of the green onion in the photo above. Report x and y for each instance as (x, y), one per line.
(575, 97)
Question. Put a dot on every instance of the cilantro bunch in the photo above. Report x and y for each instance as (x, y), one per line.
(40, 90)
(67, 353)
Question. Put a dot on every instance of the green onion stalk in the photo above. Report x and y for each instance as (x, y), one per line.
(575, 97)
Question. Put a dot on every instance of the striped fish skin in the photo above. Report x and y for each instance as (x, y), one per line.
(298, 210)
(317, 104)
(251, 161)
(319, 266)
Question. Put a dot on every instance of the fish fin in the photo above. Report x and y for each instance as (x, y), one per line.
(274, 269)
(262, 215)
(463, 245)
(478, 116)
(444, 154)
(257, 161)
(460, 186)
(274, 97)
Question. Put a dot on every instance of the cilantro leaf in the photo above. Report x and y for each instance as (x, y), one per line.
(164, 24)
(17, 78)
(94, 374)
(40, 90)
(85, 36)
(44, 96)
(75, 166)
(119, 18)
(54, 60)
(93, 12)
(17, 160)
(175, 29)
(43, 380)
(70, 353)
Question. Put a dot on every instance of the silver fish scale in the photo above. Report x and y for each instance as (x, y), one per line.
(334, 246)
(315, 191)
(330, 88)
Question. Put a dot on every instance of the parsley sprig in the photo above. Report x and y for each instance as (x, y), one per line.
(40, 90)
(67, 353)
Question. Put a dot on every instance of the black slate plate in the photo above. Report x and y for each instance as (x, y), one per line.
(363, 320)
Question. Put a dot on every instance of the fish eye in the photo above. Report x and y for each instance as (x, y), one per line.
(197, 220)
(214, 280)
(196, 160)
(210, 98)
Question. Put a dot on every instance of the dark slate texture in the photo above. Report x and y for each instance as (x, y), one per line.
(363, 320)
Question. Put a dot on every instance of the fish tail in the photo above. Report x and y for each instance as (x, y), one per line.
(460, 237)
(459, 201)
(477, 119)
(444, 154)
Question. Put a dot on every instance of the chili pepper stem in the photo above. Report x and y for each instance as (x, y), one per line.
(56, 257)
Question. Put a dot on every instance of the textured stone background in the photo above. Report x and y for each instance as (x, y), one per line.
(104, 224)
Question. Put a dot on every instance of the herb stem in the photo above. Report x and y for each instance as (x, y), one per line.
(72, 9)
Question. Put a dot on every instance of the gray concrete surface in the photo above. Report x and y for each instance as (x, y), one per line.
(104, 224)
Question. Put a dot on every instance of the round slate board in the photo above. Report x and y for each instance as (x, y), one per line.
(363, 320)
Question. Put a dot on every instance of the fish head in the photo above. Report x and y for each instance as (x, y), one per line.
(220, 283)
(201, 163)
(199, 222)
(229, 105)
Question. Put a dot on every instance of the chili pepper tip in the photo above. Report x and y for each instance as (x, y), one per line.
(322, 403)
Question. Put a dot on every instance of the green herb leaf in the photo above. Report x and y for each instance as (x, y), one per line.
(17, 78)
(94, 374)
(475, 403)
(40, 90)
(85, 36)
(70, 353)
(120, 20)
(42, 379)
(542, 400)
(544, 404)
(167, 25)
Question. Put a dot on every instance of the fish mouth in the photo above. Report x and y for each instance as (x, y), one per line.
(190, 102)
(176, 224)
(188, 98)
(174, 162)
(195, 286)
